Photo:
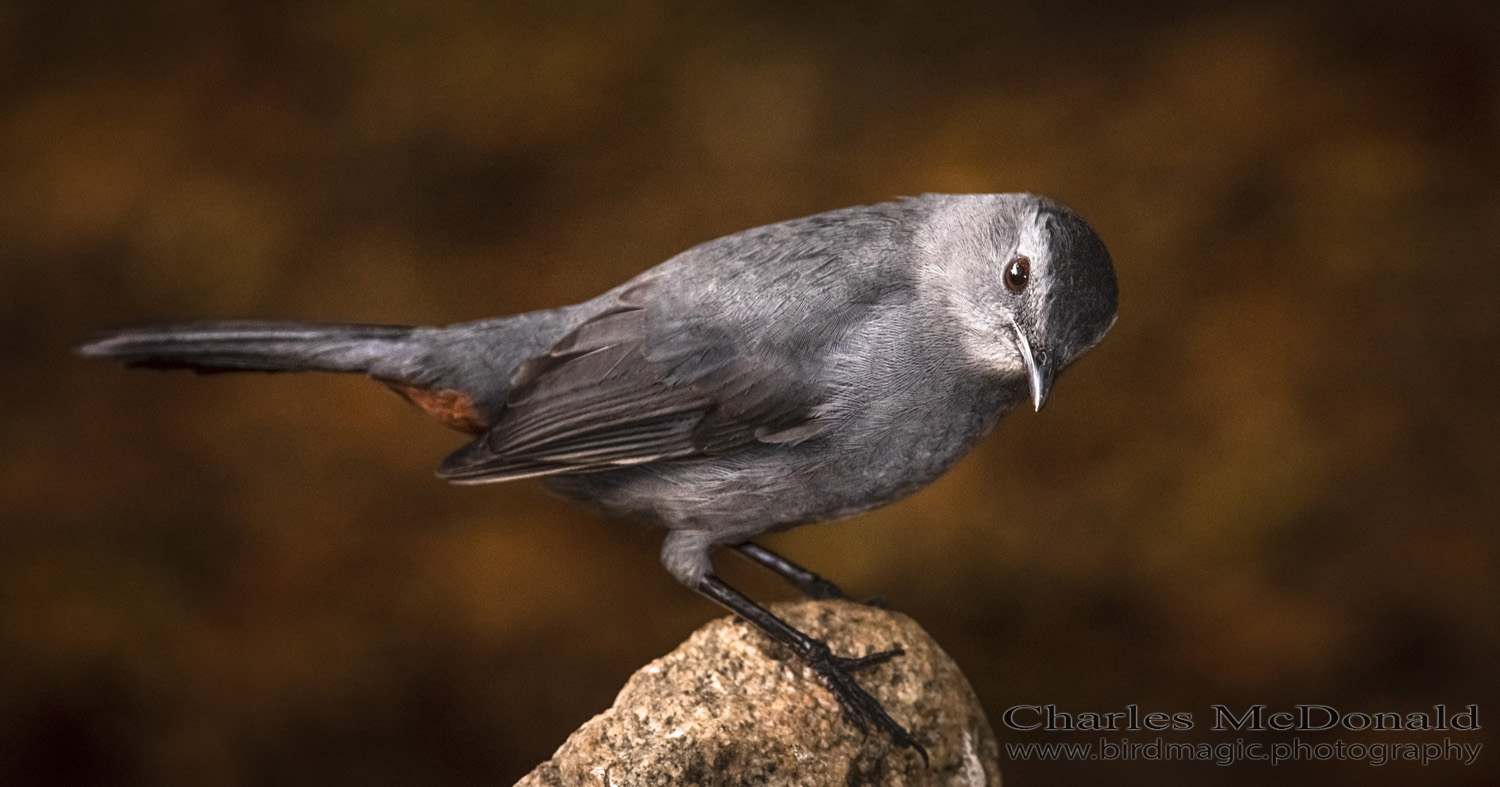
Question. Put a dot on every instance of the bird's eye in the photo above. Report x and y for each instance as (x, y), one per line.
(1017, 273)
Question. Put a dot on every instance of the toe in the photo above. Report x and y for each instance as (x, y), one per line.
(857, 664)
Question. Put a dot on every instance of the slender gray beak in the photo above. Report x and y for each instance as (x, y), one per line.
(1039, 369)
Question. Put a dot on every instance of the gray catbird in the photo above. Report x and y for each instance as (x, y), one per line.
(783, 375)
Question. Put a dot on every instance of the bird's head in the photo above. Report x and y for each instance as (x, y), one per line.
(1027, 282)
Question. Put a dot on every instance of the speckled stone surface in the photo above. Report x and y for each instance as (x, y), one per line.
(732, 707)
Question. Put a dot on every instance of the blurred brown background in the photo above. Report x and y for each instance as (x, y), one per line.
(1274, 483)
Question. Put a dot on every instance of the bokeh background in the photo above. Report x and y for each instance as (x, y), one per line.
(1274, 483)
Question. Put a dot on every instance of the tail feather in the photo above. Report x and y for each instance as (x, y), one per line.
(257, 346)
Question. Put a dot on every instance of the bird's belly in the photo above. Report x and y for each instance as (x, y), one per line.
(767, 488)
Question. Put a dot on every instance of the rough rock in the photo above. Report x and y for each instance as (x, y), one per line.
(732, 707)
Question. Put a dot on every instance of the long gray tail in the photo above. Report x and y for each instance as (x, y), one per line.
(260, 347)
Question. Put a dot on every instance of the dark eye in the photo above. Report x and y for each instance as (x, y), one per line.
(1017, 273)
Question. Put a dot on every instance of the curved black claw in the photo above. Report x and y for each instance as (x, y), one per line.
(859, 663)
(862, 709)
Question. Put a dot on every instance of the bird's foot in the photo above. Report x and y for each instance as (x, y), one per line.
(862, 709)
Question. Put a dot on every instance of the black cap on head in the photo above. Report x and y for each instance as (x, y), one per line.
(1083, 294)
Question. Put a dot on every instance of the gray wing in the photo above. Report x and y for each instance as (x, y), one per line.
(682, 366)
(615, 393)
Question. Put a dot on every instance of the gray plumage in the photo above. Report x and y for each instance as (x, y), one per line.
(787, 374)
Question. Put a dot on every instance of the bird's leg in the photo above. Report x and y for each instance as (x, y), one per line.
(810, 584)
(837, 672)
